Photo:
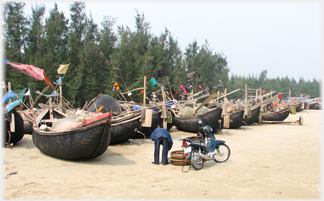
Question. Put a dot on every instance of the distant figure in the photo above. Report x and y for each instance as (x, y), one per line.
(161, 136)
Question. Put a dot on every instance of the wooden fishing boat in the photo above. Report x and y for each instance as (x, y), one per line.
(190, 124)
(123, 127)
(123, 122)
(156, 121)
(255, 112)
(236, 118)
(15, 132)
(298, 107)
(275, 115)
(87, 140)
(315, 103)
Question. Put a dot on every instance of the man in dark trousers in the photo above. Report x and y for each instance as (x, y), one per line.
(161, 136)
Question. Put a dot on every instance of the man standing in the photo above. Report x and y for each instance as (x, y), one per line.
(161, 136)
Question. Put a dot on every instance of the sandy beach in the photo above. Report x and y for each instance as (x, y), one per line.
(271, 161)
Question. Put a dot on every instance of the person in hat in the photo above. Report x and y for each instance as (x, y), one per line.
(161, 136)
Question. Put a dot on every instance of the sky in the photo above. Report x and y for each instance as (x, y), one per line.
(282, 37)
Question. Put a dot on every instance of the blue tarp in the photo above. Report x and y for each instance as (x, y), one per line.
(136, 108)
(10, 106)
(9, 95)
(58, 80)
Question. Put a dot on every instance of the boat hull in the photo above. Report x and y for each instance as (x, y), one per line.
(298, 107)
(280, 115)
(236, 119)
(314, 106)
(89, 140)
(255, 112)
(123, 129)
(190, 124)
(18, 134)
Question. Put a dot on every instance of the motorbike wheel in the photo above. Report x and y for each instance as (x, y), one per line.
(196, 161)
(222, 154)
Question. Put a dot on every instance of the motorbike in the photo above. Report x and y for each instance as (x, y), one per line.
(200, 152)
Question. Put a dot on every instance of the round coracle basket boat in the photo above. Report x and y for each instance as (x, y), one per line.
(179, 161)
(178, 154)
(178, 158)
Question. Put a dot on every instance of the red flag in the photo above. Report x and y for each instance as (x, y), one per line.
(46, 80)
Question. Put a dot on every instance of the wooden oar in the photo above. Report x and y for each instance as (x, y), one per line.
(205, 102)
(238, 97)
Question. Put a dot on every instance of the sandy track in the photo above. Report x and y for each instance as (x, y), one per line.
(272, 161)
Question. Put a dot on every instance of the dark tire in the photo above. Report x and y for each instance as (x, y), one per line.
(222, 154)
(196, 161)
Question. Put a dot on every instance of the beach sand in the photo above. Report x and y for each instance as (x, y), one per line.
(271, 161)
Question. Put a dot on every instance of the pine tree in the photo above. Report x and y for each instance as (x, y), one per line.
(77, 32)
(16, 29)
(90, 63)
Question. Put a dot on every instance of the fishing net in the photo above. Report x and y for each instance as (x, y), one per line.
(66, 124)
(189, 111)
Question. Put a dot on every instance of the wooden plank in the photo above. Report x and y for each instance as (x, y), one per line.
(169, 119)
(204, 103)
(148, 118)
(247, 111)
(59, 112)
(226, 121)
(12, 123)
(40, 116)
(132, 90)
(144, 94)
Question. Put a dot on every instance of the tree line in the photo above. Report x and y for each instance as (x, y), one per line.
(100, 57)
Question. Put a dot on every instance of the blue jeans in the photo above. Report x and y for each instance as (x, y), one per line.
(165, 150)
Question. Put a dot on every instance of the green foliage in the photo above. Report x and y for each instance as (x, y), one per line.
(96, 54)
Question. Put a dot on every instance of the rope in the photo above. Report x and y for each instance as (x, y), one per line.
(245, 124)
(140, 133)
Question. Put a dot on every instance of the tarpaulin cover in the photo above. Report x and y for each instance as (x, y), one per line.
(18, 95)
(32, 71)
(29, 70)
(12, 105)
(9, 95)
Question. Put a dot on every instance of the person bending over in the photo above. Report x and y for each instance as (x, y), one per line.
(161, 136)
